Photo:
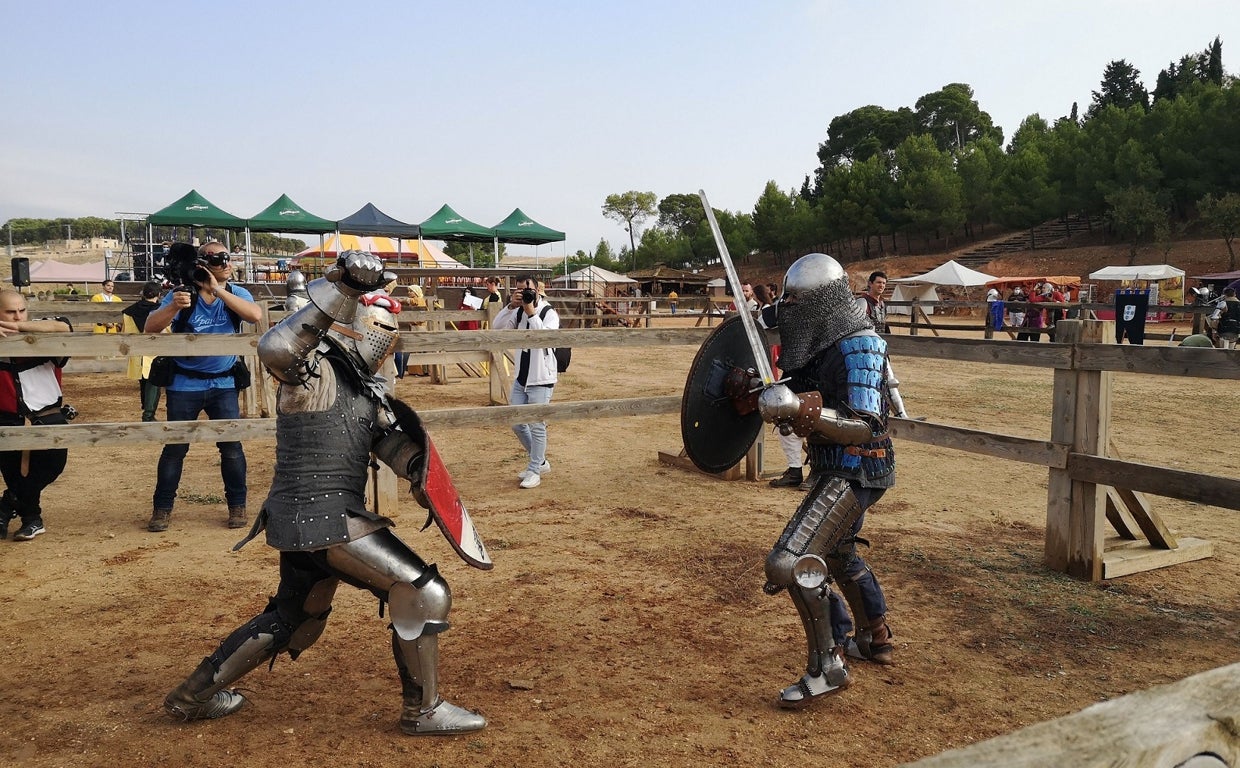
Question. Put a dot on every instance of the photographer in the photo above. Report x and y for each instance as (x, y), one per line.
(204, 303)
(29, 391)
(536, 372)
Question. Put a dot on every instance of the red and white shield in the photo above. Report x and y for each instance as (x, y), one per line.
(450, 513)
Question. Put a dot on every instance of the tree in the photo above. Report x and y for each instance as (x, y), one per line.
(480, 255)
(863, 133)
(931, 191)
(1024, 195)
(978, 165)
(1134, 213)
(772, 220)
(1121, 87)
(953, 117)
(630, 209)
(1222, 216)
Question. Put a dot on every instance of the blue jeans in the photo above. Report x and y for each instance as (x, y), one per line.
(533, 436)
(185, 406)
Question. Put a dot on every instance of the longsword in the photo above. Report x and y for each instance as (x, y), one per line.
(762, 360)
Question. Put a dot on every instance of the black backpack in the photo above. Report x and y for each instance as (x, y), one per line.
(563, 355)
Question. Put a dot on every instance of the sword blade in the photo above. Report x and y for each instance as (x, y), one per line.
(762, 360)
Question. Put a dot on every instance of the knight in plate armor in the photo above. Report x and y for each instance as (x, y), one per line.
(837, 396)
(333, 412)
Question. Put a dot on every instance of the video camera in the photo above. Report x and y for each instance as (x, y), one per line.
(184, 267)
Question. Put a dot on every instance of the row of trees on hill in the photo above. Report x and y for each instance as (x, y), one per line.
(25, 231)
(1146, 163)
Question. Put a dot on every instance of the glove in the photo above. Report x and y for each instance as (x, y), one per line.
(357, 272)
(778, 404)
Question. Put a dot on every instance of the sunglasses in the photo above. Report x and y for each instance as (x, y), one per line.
(217, 259)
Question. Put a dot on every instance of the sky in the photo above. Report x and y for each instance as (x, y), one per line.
(123, 107)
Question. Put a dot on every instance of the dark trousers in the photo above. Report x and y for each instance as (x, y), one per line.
(25, 490)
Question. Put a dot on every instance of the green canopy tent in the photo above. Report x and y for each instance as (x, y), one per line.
(449, 226)
(192, 210)
(284, 215)
(522, 230)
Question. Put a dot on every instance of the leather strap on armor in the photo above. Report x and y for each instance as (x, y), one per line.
(811, 409)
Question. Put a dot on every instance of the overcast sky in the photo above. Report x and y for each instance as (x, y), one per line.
(546, 106)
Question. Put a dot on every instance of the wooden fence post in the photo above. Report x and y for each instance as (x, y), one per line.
(1076, 509)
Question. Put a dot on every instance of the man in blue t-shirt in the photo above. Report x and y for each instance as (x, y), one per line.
(211, 305)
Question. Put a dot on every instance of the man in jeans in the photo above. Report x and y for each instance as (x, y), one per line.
(208, 305)
(536, 372)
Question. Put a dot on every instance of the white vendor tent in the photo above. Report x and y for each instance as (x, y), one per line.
(593, 279)
(1143, 272)
(922, 287)
(1165, 282)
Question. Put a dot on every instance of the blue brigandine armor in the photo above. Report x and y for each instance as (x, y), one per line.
(852, 377)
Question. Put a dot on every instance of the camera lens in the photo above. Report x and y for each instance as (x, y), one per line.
(529, 295)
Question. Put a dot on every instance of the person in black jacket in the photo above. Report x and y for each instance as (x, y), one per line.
(133, 320)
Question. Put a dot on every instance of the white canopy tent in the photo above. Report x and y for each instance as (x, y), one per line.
(922, 287)
(1165, 282)
(591, 278)
(1142, 272)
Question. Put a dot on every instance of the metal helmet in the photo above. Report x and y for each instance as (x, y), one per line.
(816, 309)
(297, 296)
(371, 338)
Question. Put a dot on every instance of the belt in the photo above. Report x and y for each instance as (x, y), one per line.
(869, 453)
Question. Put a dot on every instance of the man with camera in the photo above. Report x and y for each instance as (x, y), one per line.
(205, 302)
(536, 372)
(29, 391)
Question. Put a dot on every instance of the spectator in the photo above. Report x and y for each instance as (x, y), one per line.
(871, 301)
(1032, 324)
(207, 303)
(133, 320)
(672, 298)
(29, 391)
(751, 303)
(536, 373)
(493, 293)
(1229, 319)
(1016, 315)
(107, 294)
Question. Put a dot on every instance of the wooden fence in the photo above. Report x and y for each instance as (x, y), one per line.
(1089, 485)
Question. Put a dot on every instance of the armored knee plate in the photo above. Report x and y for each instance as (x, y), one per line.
(821, 522)
(421, 607)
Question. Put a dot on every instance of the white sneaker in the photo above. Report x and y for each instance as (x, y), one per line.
(533, 480)
(544, 469)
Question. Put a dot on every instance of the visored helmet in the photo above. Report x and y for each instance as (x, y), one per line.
(371, 338)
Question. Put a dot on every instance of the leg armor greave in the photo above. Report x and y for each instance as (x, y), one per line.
(798, 563)
(821, 522)
(418, 602)
(287, 625)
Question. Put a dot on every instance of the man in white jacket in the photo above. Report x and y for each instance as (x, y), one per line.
(536, 372)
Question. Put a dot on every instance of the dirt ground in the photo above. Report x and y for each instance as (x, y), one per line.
(624, 622)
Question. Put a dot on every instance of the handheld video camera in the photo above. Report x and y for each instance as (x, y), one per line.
(184, 266)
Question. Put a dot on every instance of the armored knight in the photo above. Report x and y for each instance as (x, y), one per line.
(332, 414)
(837, 396)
